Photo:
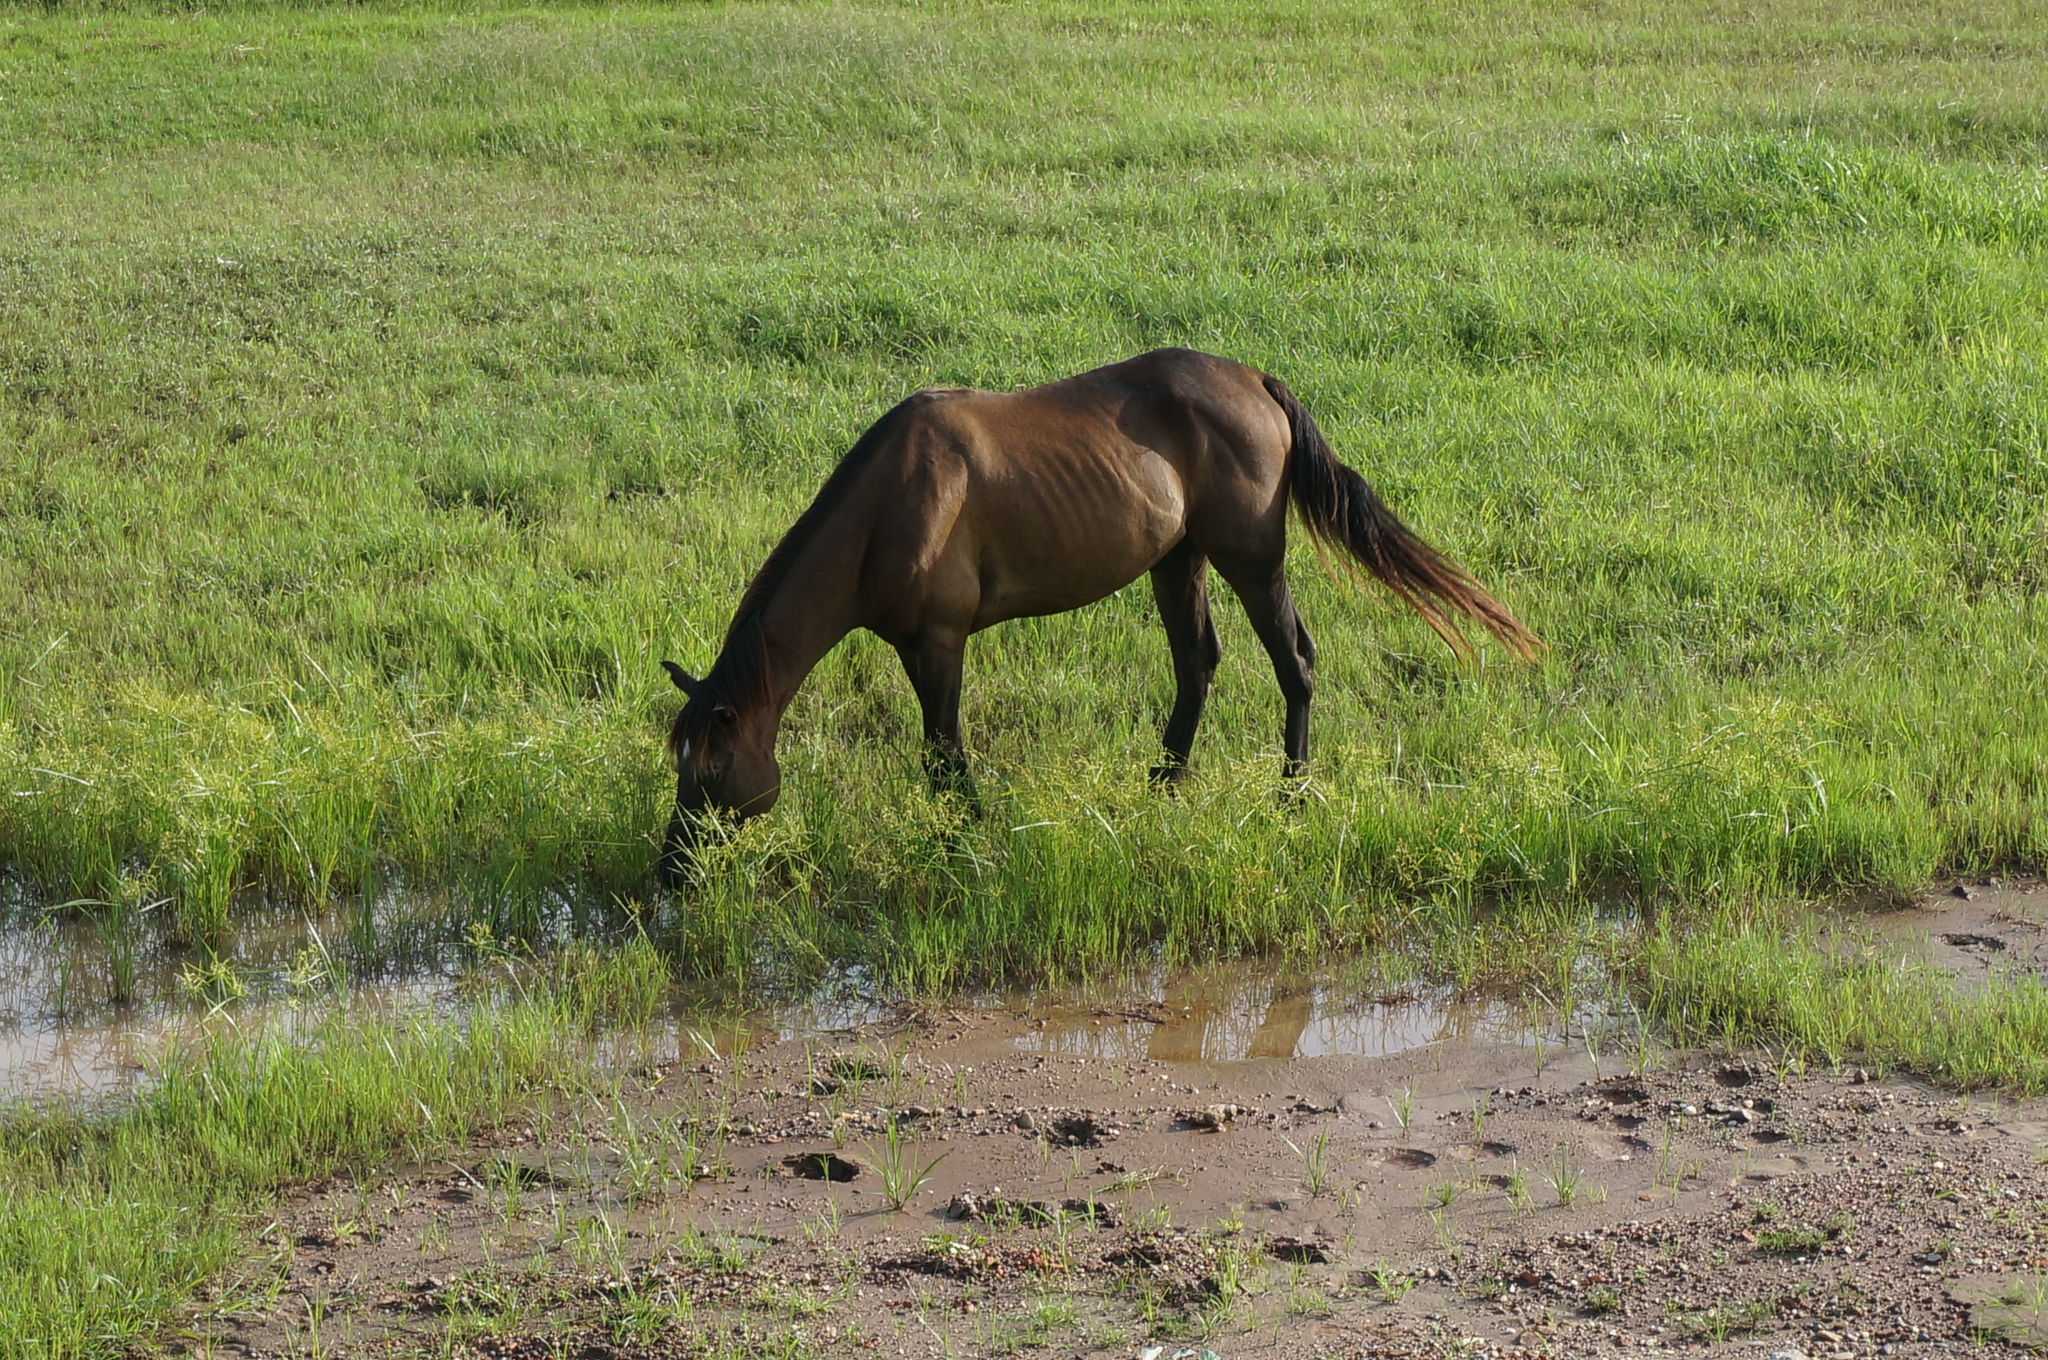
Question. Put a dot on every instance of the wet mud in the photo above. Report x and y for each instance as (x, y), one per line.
(1080, 1182)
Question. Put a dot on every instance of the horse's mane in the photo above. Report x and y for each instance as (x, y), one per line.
(741, 677)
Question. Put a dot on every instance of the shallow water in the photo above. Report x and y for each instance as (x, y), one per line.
(82, 1009)
(55, 1037)
(1218, 1015)
(1232, 1012)
(62, 1031)
(1977, 932)
(83, 1006)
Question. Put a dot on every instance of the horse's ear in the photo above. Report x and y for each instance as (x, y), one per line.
(684, 681)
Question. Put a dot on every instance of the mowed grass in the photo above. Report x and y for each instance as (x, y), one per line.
(384, 391)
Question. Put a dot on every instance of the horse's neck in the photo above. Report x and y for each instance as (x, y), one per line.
(807, 614)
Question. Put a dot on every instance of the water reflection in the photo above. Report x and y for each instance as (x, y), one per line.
(1229, 1013)
(61, 1028)
(81, 1007)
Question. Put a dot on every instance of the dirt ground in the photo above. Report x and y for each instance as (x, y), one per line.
(1102, 1189)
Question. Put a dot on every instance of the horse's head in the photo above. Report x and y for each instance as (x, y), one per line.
(725, 764)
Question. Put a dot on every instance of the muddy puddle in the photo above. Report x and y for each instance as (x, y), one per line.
(1248, 1162)
(1232, 1013)
(1977, 930)
(1254, 1161)
(1222, 1013)
(83, 1007)
(60, 1031)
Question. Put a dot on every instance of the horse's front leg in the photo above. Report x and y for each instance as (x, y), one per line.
(933, 663)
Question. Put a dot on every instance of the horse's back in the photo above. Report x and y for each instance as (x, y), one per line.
(1043, 500)
(1176, 403)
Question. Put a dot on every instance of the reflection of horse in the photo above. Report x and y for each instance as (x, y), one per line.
(960, 509)
(1287, 1018)
(1210, 1017)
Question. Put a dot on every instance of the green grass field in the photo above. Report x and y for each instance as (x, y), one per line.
(385, 390)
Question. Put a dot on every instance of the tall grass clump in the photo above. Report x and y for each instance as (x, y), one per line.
(1750, 979)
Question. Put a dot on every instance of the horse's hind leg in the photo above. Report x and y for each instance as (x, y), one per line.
(933, 664)
(1270, 607)
(1180, 585)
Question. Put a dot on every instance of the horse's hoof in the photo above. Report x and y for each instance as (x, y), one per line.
(958, 788)
(1295, 790)
(1168, 777)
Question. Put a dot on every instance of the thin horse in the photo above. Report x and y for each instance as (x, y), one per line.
(960, 509)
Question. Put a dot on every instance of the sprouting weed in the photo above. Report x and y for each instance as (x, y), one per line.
(896, 1069)
(902, 1176)
(1641, 1052)
(1135, 1179)
(1156, 1218)
(1564, 1180)
(435, 1240)
(1403, 1106)
(1315, 1163)
(640, 1164)
(313, 970)
(1390, 1282)
(824, 1225)
(1492, 1284)
(508, 1178)
(837, 1112)
(215, 982)
(1304, 1298)
(1518, 1190)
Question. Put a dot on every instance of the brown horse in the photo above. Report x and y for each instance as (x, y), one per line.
(960, 509)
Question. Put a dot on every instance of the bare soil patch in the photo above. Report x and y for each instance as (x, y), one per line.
(1463, 1198)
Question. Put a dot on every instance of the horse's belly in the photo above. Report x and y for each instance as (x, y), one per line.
(1046, 559)
(1013, 594)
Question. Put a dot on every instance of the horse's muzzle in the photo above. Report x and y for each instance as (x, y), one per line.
(678, 854)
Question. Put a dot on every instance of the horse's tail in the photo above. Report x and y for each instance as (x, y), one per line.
(1341, 508)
